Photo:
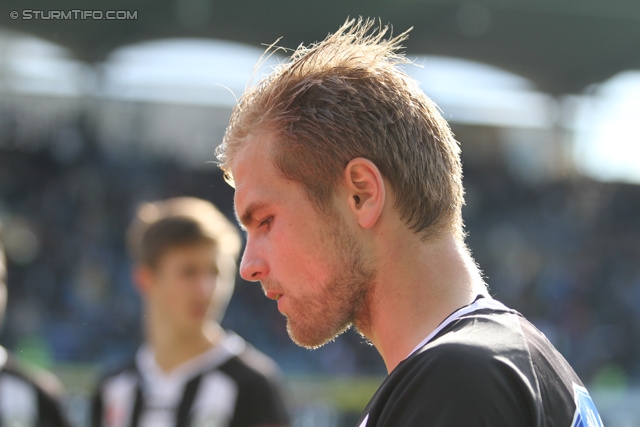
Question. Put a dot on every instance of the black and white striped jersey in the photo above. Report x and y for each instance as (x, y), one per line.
(231, 385)
(485, 365)
(23, 402)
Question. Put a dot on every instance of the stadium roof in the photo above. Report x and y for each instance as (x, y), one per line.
(562, 46)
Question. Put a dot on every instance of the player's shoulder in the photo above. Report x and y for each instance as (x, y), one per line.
(15, 369)
(41, 380)
(479, 361)
(33, 391)
(122, 369)
(497, 337)
(482, 332)
(479, 345)
(247, 362)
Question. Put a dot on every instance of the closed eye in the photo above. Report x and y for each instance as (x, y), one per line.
(265, 222)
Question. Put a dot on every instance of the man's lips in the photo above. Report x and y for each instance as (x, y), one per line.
(273, 295)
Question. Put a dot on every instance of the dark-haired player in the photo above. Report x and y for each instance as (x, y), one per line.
(190, 372)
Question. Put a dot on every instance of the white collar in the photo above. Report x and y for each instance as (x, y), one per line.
(230, 345)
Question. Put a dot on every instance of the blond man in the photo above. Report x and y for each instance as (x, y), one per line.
(190, 372)
(349, 185)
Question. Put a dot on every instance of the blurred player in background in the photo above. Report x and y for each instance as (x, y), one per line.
(349, 184)
(29, 396)
(190, 372)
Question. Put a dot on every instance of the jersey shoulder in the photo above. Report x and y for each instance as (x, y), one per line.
(261, 398)
(475, 372)
(34, 392)
(249, 363)
(479, 346)
(40, 379)
(126, 368)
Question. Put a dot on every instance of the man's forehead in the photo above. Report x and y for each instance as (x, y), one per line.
(254, 150)
(253, 174)
(249, 168)
(255, 193)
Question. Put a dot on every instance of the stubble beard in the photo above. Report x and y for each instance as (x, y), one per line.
(345, 299)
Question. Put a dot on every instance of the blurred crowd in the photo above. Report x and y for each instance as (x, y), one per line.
(564, 252)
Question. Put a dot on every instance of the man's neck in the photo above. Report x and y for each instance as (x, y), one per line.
(418, 286)
(172, 349)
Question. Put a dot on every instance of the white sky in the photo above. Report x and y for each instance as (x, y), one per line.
(195, 71)
(214, 72)
(34, 66)
(608, 130)
(474, 93)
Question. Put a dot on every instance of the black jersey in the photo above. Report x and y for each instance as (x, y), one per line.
(23, 401)
(485, 365)
(232, 385)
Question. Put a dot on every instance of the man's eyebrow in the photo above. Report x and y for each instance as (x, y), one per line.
(246, 217)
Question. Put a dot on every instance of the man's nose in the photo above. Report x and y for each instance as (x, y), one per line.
(253, 266)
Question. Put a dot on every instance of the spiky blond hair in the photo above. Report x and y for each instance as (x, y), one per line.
(347, 97)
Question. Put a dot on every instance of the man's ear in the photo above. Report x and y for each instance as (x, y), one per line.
(366, 191)
(143, 279)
